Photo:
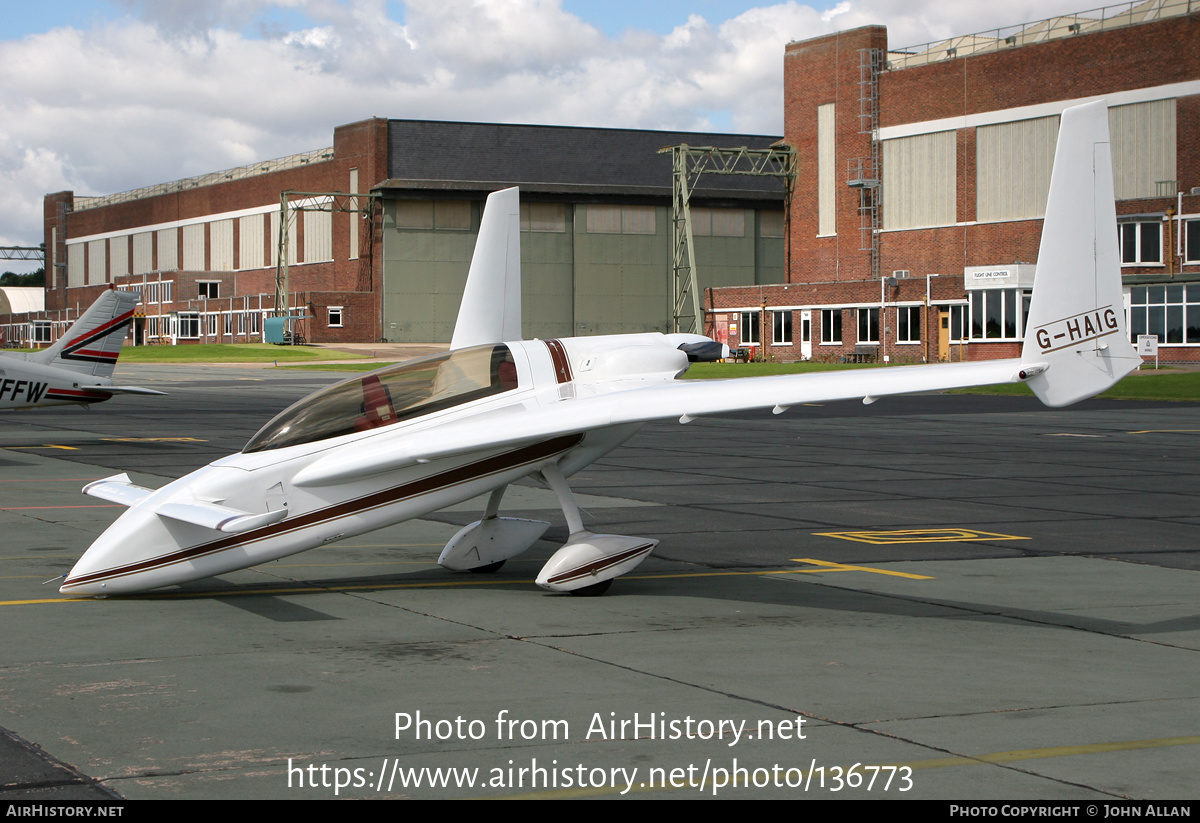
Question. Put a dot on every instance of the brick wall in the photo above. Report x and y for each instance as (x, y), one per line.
(358, 145)
(834, 270)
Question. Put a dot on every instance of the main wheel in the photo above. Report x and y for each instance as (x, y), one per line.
(490, 568)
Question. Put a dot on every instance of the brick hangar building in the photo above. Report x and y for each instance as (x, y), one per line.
(916, 214)
(381, 227)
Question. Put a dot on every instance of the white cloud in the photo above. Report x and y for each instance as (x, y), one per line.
(184, 87)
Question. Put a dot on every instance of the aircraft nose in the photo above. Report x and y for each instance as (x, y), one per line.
(120, 560)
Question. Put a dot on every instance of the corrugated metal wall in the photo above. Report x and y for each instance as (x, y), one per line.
(1013, 165)
(919, 180)
(827, 177)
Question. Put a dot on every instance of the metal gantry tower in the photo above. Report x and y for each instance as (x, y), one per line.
(327, 201)
(22, 253)
(689, 162)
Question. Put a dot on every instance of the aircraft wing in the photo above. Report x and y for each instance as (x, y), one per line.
(682, 399)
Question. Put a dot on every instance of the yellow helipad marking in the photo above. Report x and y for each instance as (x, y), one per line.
(915, 765)
(885, 538)
(827, 566)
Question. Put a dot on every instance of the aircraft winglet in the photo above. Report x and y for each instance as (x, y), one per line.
(490, 311)
(117, 489)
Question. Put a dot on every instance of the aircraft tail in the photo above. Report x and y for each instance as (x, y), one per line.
(1076, 324)
(93, 343)
(490, 311)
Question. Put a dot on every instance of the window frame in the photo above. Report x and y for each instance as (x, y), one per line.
(867, 319)
(187, 325)
(1008, 308)
(1191, 241)
(831, 321)
(781, 328)
(1153, 309)
(908, 321)
(749, 320)
(1131, 234)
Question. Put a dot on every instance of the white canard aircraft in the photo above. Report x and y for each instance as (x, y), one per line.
(416, 437)
(78, 368)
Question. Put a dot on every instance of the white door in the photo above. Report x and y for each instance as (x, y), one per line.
(806, 335)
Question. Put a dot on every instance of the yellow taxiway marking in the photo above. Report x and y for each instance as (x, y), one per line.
(154, 439)
(1163, 431)
(44, 446)
(884, 538)
(824, 567)
(844, 567)
(915, 765)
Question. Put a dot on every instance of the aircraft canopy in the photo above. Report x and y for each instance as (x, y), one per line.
(390, 395)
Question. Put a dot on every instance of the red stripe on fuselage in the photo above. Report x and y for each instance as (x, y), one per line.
(562, 363)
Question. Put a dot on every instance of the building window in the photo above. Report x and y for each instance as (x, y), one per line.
(908, 324)
(718, 222)
(959, 329)
(1141, 243)
(335, 317)
(781, 328)
(440, 215)
(208, 289)
(831, 327)
(994, 314)
(749, 331)
(544, 217)
(1191, 241)
(157, 292)
(1171, 312)
(42, 333)
(868, 325)
(621, 220)
(189, 326)
(770, 224)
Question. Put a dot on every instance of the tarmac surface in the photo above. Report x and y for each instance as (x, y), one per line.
(949, 597)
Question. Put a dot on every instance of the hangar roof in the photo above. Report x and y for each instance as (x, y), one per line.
(558, 162)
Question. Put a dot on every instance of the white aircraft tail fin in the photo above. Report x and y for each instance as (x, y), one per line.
(93, 343)
(490, 311)
(1076, 324)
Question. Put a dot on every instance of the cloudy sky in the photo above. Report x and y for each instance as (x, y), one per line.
(99, 96)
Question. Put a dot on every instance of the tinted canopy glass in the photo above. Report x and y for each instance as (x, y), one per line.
(388, 396)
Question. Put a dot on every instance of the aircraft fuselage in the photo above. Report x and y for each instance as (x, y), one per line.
(147, 547)
(27, 385)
